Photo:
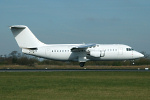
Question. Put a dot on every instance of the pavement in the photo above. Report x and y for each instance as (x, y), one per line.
(81, 70)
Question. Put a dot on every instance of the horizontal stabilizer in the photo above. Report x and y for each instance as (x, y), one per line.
(18, 26)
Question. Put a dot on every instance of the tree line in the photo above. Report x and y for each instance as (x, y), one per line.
(16, 58)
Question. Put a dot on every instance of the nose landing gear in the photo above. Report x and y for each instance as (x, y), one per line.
(132, 61)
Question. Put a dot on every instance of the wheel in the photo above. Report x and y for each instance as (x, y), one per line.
(132, 61)
(81, 64)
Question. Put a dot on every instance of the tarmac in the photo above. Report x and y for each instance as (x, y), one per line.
(73, 70)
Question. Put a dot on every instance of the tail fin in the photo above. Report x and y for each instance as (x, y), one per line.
(24, 37)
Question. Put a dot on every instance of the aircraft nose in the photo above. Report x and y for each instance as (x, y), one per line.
(138, 55)
(141, 55)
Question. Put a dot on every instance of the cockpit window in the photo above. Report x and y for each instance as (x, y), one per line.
(129, 49)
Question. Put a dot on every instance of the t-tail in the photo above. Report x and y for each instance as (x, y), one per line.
(24, 37)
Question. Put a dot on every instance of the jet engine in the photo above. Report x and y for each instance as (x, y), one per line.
(95, 53)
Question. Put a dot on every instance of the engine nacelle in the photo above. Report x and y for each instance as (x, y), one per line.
(95, 53)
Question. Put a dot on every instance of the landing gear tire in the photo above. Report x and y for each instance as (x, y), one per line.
(132, 62)
(81, 64)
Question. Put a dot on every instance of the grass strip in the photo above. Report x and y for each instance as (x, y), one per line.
(74, 85)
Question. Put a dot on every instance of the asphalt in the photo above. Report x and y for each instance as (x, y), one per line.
(73, 70)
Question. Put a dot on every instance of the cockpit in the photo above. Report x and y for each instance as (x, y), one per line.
(129, 49)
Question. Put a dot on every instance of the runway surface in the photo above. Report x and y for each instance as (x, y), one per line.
(57, 70)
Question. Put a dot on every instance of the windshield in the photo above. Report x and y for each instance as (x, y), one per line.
(129, 49)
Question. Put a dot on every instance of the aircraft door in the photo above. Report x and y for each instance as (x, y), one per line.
(48, 52)
(120, 51)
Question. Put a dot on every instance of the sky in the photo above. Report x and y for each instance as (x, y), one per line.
(77, 21)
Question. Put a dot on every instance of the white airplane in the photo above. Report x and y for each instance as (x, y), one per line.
(71, 52)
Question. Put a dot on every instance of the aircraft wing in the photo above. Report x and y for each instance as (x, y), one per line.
(82, 47)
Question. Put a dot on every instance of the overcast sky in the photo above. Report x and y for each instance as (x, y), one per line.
(78, 21)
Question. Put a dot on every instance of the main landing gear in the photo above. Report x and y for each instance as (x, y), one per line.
(81, 64)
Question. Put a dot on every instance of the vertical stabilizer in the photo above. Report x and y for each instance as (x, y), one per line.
(24, 37)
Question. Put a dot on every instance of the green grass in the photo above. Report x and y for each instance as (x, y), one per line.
(74, 86)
